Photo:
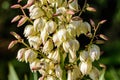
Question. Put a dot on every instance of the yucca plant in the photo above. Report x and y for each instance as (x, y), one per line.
(53, 33)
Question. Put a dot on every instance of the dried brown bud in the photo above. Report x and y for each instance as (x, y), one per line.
(12, 43)
(22, 21)
(15, 35)
(16, 6)
(16, 18)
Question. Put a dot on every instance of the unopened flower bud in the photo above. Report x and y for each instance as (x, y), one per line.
(16, 18)
(94, 52)
(22, 21)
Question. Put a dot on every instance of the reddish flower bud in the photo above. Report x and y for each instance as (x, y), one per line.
(16, 18)
(22, 21)
(15, 35)
(16, 6)
(12, 43)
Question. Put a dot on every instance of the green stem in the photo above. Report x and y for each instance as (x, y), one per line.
(95, 30)
(83, 7)
(26, 15)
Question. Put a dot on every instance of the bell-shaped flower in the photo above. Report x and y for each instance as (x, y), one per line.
(35, 42)
(39, 24)
(74, 5)
(35, 65)
(94, 74)
(58, 72)
(29, 30)
(35, 12)
(20, 54)
(48, 46)
(44, 36)
(30, 55)
(50, 26)
(71, 30)
(71, 46)
(55, 56)
(84, 56)
(69, 75)
(76, 73)
(76, 24)
(85, 67)
(94, 52)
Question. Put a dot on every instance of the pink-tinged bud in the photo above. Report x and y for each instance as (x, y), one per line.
(15, 35)
(29, 3)
(41, 78)
(103, 37)
(20, 54)
(85, 67)
(103, 21)
(16, 18)
(19, 1)
(22, 21)
(35, 65)
(70, 12)
(91, 9)
(16, 6)
(92, 23)
(12, 43)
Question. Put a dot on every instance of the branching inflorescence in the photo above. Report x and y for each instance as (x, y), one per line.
(52, 32)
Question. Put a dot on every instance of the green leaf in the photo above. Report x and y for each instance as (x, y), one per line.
(102, 75)
(12, 74)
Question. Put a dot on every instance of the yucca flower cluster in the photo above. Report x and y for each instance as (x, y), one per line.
(52, 33)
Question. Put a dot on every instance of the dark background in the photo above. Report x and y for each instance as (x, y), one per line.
(106, 9)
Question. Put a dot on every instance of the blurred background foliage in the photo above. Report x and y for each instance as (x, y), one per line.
(106, 9)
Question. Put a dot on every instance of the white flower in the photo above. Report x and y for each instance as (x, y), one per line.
(84, 56)
(48, 46)
(35, 12)
(69, 73)
(76, 24)
(44, 36)
(50, 78)
(94, 74)
(35, 42)
(71, 30)
(94, 52)
(30, 55)
(71, 46)
(85, 67)
(39, 24)
(58, 72)
(74, 5)
(35, 65)
(50, 26)
(29, 30)
(20, 54)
